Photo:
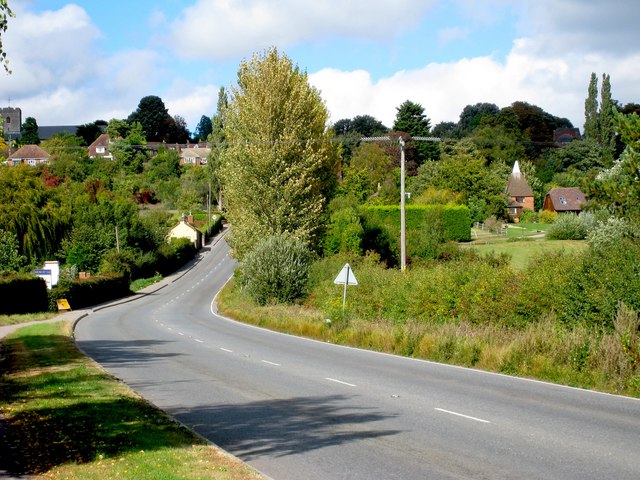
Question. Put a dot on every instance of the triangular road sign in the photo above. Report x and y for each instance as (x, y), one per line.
(346, 276)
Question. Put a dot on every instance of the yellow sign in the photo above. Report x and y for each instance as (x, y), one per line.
(63, 304)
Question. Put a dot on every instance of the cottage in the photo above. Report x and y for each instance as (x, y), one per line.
(30, 154)
(185, 229)
(519, 193)
(100, 147)
(194, 156)
(564, 200)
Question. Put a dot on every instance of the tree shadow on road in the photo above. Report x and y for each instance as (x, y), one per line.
(283, 427)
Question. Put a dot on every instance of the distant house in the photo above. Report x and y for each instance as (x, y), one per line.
(519, 193)
(194, 156)
(30, 154)
(185, 229)
(562, 136)
(100, 147)
(564, 200)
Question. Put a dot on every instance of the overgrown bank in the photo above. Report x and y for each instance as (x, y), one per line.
(566, 318)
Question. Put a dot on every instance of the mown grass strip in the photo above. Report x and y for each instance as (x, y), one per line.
(25, 317)
(67, 418)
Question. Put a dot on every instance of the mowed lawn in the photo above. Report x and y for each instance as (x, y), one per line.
(522, 252)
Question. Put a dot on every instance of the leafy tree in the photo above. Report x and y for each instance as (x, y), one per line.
(10, 258)
(164, 166)
(118, 129)
(29, 133)
(582, 155)
(591, 127)
(64, 143)
(193, 190)
(37, 215)
(472, 116)
(177, 131)
(5, 14)
(153, 116)
(278, 168)
(89, 131)
(369, 168)
(445, 130)
(618, 189)
(411, 119)
(368, 126)
(203, 129)
(497, 143)
(131, 152)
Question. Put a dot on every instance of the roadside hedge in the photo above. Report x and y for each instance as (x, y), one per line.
(85, 292)
(427, 227)
(23, 293)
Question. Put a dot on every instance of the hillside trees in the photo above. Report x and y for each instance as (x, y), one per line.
(278, 167)
(203, 129)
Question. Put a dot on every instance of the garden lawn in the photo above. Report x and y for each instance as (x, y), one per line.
(522, 252)
(67, 418)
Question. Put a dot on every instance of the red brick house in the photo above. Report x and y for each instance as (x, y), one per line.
(519, 193)
(564, 200)
(194, 156)
(30, 154)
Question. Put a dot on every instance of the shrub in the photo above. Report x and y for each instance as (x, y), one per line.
(91, 291)
(528, 216)
(567, 227)
(609, 233)
(276, 270)
(547, 216)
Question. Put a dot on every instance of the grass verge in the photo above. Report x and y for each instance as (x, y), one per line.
(141, 283)
(67, 418)
(544, 350)
(25, 317)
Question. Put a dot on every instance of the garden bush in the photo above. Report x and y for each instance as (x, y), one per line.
(276, 270)
(567, 226)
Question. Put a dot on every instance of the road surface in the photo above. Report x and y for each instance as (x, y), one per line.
(301, 409)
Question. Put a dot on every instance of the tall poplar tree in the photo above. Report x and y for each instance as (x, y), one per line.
(277, 166)
(607, 131)
(591, 128)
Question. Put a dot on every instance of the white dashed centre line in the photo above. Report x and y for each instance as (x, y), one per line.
(198, 340)
(462, 415)
(226, 350)
(271, 363)
(340, 381)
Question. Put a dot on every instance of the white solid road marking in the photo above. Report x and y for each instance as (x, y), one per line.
(198, 340)
(462, 415)
(340, 381)
(271, 363)
(226, 350)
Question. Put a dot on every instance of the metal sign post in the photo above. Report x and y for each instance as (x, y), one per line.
(345, 277)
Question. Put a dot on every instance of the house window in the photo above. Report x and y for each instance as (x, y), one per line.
(189, 159)
(563, 201)
(520, 199)
(8, 120)
(32, 162)
(203, 161)
(99, 149)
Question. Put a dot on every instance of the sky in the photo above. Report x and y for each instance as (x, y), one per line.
(77, 62)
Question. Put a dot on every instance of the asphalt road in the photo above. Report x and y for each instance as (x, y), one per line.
(300, 409)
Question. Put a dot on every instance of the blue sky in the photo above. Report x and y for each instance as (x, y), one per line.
(75, 62)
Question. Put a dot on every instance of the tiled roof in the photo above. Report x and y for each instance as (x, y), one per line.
(101, 141)
(29, 151)
(567, 199)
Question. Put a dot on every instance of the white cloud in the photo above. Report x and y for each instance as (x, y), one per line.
(191, 102)
(227, 28)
